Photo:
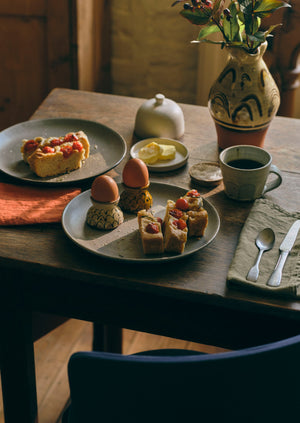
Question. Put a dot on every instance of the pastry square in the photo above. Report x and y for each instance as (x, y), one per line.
(150, 232)
(56, 155)
(175, 229)
(197, 222)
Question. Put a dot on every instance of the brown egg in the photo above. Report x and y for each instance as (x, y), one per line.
(135, 174)
(105, 189)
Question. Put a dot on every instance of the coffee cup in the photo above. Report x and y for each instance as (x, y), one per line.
(245, 170)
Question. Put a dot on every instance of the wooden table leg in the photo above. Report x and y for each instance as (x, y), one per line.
(17, 367)
(107, 338)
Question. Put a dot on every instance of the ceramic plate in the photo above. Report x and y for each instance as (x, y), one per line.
(108, 148)
(124, 243)
(163, 166)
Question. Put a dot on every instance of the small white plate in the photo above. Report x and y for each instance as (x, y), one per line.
(163, 165)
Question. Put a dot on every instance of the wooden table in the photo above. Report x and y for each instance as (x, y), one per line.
(42, 270)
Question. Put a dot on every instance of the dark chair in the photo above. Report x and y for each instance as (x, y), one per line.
(283, 54)
(258, 384)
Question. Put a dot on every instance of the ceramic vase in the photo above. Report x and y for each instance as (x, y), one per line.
(244, 99)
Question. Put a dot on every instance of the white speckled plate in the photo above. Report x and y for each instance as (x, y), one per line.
(124, 243)
(107, 148)
(180, 160)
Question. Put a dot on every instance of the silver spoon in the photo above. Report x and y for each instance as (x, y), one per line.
(264, 242)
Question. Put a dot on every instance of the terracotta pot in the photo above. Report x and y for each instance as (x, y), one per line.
(244, 99)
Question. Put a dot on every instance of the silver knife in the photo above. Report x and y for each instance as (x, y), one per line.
(285, 248)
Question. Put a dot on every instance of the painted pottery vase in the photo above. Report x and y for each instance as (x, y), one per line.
(244, 99)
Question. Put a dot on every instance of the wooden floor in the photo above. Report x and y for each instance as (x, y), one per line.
(53, 351)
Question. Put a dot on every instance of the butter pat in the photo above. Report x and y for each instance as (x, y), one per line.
(150, 153)
(153, 152)
(168, 152)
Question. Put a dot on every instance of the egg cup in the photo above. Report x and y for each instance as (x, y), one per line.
(105, 216)
(133, 200)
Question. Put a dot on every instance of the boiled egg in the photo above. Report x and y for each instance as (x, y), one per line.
(135, 174)
(104, 189)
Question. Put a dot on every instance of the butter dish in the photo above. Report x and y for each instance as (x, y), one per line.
(181, 155)
(159, 117)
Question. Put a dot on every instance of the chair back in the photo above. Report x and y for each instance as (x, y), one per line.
(282, 56)
(259, 384)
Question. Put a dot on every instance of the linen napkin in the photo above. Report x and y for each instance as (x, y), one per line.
(23, 205)
(265, 214)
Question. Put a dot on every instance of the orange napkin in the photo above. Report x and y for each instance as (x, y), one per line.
(23, 205)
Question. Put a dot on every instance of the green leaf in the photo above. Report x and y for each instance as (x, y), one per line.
(198, 16)
(259, 36)
(252, 24)
(255, 24)
(207, 30)
(241, 16)
(264, 8)
(248, 24)
(232, 26)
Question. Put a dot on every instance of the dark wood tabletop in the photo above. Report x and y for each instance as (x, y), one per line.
(43, 270)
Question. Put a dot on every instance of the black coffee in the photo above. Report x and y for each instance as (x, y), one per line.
(245, 164)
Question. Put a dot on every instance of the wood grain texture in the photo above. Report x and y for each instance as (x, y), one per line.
(42, 270)
(37, 54)
(48, 44)
(192, 278)
(23, 8)
(92, 22)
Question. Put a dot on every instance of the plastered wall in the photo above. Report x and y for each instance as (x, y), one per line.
(152, 52)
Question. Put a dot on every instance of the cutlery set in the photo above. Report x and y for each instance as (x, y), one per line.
(265, 242)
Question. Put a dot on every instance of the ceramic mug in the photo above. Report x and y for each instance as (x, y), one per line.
(245, 170)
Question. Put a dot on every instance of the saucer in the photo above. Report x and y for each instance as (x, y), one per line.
(206, 173)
